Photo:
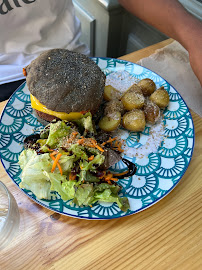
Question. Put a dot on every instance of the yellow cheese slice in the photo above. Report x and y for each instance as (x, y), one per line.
(36, 104)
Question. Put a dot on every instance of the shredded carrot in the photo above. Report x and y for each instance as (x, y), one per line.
(60, 169)
(53, 158)
(80, 141)
(108, 176)
(108, 141)
(91, 158)
(116, 144)
(72, 137)
(99, 148)
(58, 165)
(93, 141)
(24, 72)
(54, 153)
(72, 176)
(74, 134)
(56, 162)
(96, 145)
(103, 176)
(119, 147)
(119, 174)
(91, 145)
(114, 179)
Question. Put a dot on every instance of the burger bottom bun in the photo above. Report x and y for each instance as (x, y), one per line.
(44, 118)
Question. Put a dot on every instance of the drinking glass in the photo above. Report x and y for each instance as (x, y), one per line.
(9, 216)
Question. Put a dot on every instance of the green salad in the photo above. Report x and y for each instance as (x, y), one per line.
(66, 158)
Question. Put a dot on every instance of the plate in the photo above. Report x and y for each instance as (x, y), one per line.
(158, 170)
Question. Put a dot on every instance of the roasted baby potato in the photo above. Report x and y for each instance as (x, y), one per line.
(160, 97)
(135, 88)
(112, 106)
(111, 93)
(111, 123)
(151, 111)
(147, 86)
(133, 99)
(134, 120)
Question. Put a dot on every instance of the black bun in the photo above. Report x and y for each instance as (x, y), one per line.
(66, 81)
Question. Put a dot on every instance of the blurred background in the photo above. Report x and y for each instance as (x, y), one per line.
(110, 31)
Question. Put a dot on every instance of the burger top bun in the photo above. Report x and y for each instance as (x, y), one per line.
(66, 81)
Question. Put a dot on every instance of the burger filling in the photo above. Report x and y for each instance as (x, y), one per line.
(37, 105)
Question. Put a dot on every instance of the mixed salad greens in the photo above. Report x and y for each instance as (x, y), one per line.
(66, 158)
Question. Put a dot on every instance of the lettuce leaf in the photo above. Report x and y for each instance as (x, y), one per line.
(91, 178)
(33, 176)
(93, 164)
(78, 151)
(58, 131)
(109, 193)
(37, 176)
(84, 195)
(25, 156)
(60, 184)
(67, 163)
(108, 196)
(101, 187)
(87, 194)
(85, 124)
(82, 176)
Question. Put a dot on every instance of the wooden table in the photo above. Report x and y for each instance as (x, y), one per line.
(164, 236)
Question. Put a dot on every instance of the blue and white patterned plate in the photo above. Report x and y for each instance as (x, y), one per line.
(157, 173)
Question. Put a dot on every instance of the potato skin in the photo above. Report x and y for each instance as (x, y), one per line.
(160, 97)
(151, 111)
(133, 99)
(135, 88)
(113, 106)
(109, 124)
(134, 120)
(111, 93)
(147, 86)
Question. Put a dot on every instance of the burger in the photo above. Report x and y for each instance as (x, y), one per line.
(63, 85)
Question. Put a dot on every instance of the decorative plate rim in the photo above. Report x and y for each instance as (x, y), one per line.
(121, 215)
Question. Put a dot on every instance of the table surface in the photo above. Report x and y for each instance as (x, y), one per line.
(164, 236)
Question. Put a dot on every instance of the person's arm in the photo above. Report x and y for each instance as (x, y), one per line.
(172, 19)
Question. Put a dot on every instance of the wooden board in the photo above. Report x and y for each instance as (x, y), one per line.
(164, 236)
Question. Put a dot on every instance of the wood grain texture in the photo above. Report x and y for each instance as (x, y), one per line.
(164, 236)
